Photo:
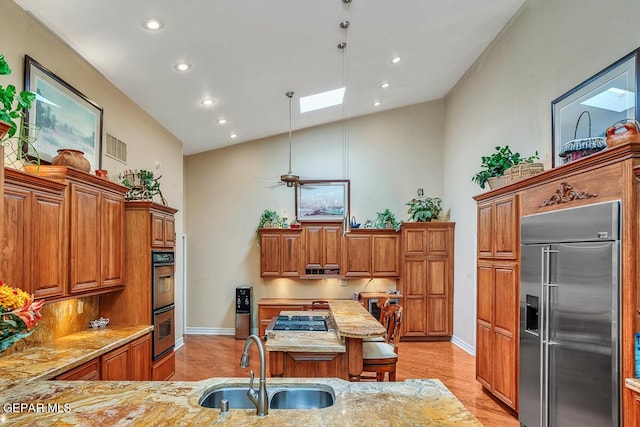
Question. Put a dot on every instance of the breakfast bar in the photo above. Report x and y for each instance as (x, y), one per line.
(336, 352)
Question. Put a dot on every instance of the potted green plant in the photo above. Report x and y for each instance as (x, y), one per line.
(268, 219)
(386, 219)
(12, 104)
(495, 164)
(424, 209)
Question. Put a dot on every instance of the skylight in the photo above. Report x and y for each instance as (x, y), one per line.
(612, 99)
(321, 100)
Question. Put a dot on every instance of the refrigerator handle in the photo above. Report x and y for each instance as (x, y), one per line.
(543, 335)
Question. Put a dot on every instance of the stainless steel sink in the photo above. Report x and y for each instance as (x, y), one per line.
(237, 397)
(302, 396)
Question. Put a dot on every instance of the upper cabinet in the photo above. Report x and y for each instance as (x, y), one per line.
(34, 239)
(163, 230)
(322, 248)
(280, 252)
(498, 222)
(372, 253)
(96, 232)
(63, 234)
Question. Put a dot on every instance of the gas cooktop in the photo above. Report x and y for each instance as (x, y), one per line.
(300, 323)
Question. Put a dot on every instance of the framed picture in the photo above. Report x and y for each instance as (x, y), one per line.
(322, 200)
(580, 117)
(66, 118)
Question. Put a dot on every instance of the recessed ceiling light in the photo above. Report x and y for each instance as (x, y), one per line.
(222, 121)
(376, 103)
(321, 100)
(153, 24)
(384, 85)
(208, 101)
(396, 59)
(233, 135)
(182, 66)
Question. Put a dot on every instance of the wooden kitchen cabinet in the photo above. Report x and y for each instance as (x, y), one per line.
(96, 232)
(280, 252)
(498, 297)
(427, 280)
(34, 239)
(498, 329)
(322, 245)
(130, 362)
(163, 230)
(372, 253)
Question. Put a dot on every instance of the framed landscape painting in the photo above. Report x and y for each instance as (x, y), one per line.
(66, 118)
(322, 200)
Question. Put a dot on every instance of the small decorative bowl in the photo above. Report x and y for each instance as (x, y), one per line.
(99, 323)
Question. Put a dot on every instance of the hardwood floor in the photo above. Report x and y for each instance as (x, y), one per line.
(206, 356)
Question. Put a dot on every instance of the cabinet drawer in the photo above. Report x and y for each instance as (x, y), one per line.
(88, 371)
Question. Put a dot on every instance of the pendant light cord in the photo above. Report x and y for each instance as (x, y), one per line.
(290, 95)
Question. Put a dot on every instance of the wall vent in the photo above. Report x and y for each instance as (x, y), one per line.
(116, 149)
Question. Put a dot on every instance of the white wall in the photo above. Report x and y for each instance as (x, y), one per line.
(505, 98)
(391, 154)
(146, 139)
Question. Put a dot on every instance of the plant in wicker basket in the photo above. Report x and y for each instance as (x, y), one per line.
(495, 164)
(268, 219)
(424, 209)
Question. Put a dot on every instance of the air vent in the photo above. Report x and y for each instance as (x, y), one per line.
(116, 149)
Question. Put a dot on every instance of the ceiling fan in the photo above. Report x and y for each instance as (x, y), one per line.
(289, 178)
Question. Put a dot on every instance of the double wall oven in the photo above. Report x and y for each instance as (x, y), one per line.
(163, 302)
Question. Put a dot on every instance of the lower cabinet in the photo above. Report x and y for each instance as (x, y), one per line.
(130, 362)
(164, 368)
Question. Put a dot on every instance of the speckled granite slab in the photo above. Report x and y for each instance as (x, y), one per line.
(105, 403)
(354, 321)
(50, 359)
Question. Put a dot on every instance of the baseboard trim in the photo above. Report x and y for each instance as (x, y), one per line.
(463, 345)
(179, 343)
(213, 331)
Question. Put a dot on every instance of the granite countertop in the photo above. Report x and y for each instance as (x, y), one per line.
(174, 403)
(354, 321)
(50, 359)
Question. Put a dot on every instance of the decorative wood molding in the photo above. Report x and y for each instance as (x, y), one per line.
(566, 193)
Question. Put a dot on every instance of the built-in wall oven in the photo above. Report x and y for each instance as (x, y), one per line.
(163, 302)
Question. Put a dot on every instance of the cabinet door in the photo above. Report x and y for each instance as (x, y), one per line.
(386, 256)
(169, 231)
(269, 255)
(415, 297)
(290, 264)
(15, 238)
(331, 247)
(313, 258)
(85, 229)
(485, 230)
(113, 235)
(114, 366)
(357, 255)
(484, 356)
(505, 239)
(140, 359)
(415, 240)
(438, 298)
(48, 254)
(157, 230)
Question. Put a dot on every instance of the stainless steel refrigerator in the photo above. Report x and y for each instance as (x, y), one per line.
(569, 317)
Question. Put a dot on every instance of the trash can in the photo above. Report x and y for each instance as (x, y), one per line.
(244, 300)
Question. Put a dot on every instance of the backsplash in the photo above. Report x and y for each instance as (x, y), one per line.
(59, 319)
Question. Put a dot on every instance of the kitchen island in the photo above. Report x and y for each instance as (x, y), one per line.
(336, 353)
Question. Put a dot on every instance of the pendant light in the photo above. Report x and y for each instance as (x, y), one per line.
(289, 178)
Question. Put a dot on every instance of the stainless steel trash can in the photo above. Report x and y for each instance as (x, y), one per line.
(244, 301)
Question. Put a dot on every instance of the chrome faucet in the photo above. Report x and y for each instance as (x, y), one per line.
(259, 398)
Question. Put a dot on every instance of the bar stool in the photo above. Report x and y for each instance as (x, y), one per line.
(382, 356)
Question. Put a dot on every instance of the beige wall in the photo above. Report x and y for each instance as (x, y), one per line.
(505, 98)
(390, 154)
(146, 139)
